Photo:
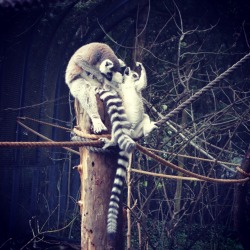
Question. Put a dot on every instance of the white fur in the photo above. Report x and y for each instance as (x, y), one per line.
(133, 104)
(83, 76)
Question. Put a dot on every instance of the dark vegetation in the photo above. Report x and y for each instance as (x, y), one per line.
(183, 45)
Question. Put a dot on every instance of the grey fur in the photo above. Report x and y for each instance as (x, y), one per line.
(83, 76)
(120, 131)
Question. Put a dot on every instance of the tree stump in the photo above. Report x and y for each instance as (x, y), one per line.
(97, 172)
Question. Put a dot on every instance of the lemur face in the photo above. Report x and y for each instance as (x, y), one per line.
(106, 66)
(131, 75)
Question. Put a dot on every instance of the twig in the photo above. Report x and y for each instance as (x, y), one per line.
(202, 91)
(165, 175)
(18, 144)
(186, 172)
(129, 204)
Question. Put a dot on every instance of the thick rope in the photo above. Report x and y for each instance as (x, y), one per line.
(138, 146)
(79, 137)
(90, 136)
(51, 144)
(92, 149)
(202, 91)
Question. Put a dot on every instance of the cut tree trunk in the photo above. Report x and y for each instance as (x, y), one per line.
(97, 172)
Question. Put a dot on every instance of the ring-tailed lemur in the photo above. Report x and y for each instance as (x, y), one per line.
(86, 72)
(130, 91)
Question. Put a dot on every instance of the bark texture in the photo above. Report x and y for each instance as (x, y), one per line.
(97, 174)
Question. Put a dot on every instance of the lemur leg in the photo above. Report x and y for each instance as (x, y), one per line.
(148, 126)
(91, 69)
(85, 94)
(144, 128)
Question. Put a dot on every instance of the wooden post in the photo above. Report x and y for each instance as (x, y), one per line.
(97, 172)
(240, 211)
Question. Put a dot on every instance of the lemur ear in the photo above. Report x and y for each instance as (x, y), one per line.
(126, 71)
(123, 70)
(122, 66)
(108, 62)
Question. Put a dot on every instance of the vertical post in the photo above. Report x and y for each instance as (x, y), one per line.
(240, 211)
(97, 172)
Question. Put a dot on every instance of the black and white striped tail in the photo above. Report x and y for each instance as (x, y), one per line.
(119, 121)
(116, 194)
(120, 131)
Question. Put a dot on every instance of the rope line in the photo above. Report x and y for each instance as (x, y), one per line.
(193, 157)
(186, 172)
(202, 91)
(90, 136)
(51, 144)
(138, 146)
(44, 137)
(45, 123)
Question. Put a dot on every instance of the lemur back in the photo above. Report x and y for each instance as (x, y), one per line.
(86, 71)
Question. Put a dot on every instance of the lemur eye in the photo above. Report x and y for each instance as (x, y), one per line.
(134, 75)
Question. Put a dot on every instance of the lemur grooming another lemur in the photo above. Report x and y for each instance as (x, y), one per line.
(127, 118)
(94, 68)
(85, 73)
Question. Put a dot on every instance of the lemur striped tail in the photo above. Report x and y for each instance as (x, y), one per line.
(119, 121)
(120, 131)
(116, 194)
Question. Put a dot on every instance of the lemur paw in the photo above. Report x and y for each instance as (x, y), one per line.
(138, 64)
(107, 143)
(98, 126)
(100, 79)
(150, 128)
(117, 77)
(122, 63)
(154, 126)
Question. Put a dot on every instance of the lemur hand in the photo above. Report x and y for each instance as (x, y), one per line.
(138, 64)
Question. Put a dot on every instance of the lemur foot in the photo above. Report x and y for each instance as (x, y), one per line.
(98, 125)
(149, 128)
(107, 143)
